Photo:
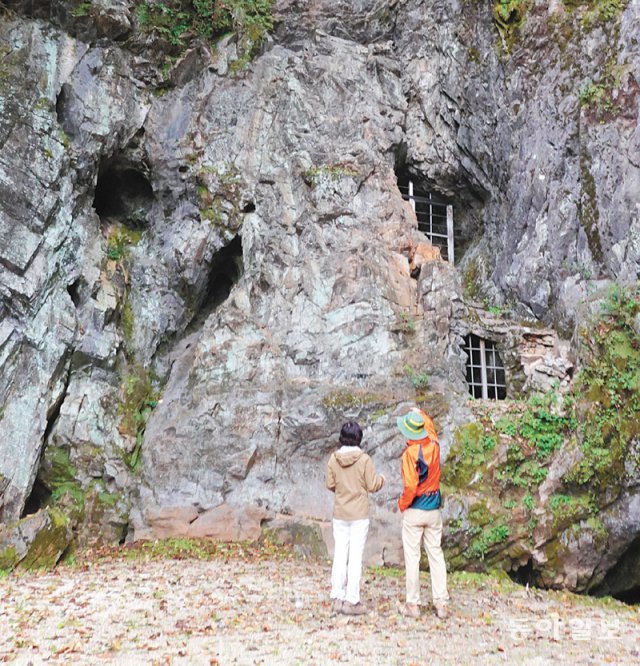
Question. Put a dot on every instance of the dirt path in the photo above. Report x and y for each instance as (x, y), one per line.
(271, 610)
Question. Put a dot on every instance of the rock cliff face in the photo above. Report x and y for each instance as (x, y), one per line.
(207, 265)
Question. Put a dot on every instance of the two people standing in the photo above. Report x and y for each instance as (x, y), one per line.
(351, 476)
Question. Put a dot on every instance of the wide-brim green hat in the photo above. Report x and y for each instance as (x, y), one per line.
(411, 425)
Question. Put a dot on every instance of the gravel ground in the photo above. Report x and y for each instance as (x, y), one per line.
(274, 609)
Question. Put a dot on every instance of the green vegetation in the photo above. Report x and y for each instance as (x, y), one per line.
(589, 211)
(608, 392)
(386, 572)
(216, 187)
(508, 457)
(345, 400)
(49, 544)
(119, 241)
(498, 310)
(542, 428)
(83, 9)
(420, 380)
(489, 537)
(183, 548)
(506, 426)
(591, 93)
(567, 509)
(602, 11)
(509, 15)
(497, 580)
(406, 324)
(180, 21)
(127, 320)
(472, 280)
(8, 559)
(468, 453)
(331, 172)
(140, 398)
(60, 477)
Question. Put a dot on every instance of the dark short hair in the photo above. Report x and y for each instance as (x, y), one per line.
(351, 434)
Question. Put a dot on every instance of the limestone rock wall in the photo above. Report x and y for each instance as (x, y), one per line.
(204, 268)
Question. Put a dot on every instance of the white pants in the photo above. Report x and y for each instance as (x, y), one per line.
(350, 537)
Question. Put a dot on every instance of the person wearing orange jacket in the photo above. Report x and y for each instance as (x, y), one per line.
(420, 506)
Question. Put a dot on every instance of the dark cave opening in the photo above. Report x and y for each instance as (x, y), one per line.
(524, 575)
(622, 581)
(62, 110)
(464, 197)
(433, 212)
(631, 597)
(123, 192)
(37, 499)
(75, 291)
(225, 270)
(485, 371)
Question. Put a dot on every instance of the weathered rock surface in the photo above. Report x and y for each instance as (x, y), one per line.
(237, 242)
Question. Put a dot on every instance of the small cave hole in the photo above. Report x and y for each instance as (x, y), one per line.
(249, 208)
(124, 193)
(38, 498)
(524, 575)
(63, 110)
(224, 272)
(226, 269)
(74, 291)
(486, 375)
(123, 536)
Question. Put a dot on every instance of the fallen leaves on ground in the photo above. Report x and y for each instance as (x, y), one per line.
(230, 604)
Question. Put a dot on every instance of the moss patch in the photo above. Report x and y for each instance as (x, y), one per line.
(50, 543)
(8, 559)
(607, 393)
(60, 477)
(140, 397)
(589, 212)
(176, 23)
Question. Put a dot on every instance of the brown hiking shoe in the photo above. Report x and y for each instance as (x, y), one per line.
(409, 610)
(353, 609)
(336, 606)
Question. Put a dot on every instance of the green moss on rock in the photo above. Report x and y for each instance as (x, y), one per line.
(468, 454)
(9, 558)
(50, 543)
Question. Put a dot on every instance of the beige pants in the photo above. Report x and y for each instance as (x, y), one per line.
(425, 526)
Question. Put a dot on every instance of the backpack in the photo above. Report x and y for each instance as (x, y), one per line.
(421, 467)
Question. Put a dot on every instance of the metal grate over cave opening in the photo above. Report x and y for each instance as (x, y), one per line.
(486, 375)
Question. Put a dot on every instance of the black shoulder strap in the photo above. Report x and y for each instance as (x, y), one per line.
(421, 466)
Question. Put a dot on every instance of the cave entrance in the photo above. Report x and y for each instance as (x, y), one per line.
(38, 498)
(524, 575)
(123, 194)
(434, 215)
(225, 270)
(485, 370)
(622, 582)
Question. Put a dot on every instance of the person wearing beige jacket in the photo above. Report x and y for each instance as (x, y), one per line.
(351, 476)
